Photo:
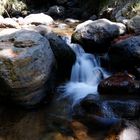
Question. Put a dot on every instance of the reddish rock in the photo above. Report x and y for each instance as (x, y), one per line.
(120, 83)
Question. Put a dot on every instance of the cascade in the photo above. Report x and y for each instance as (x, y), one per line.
(85, 75)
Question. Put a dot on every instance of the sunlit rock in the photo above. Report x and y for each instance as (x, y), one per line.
(37, 19)
(8, 23)
(95, 36)
(26, 63)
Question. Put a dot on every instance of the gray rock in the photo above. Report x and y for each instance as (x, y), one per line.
(125, 54)
(107, 108)
(134, 24)
(95, 36)
(37, 19)
(26, 62)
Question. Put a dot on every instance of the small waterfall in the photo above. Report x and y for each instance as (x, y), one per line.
(85, 76)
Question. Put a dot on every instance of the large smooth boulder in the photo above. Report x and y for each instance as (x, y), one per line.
(26, 64)
(119, 84)
(95, 36)
(38, 19)
(125, 54)
(64, 55)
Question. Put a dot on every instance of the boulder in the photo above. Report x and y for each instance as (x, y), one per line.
(1, 17)
(128, 11)
(125, 54)
(119, 84)
(107, 108)
(91, 104)
(8, 23)
(123, 109)
(37, 19)
(26, 64)
(56, 11)
(133, 25)
(95, 36)
(64, 55)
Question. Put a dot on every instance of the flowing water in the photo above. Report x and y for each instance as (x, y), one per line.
(53, 121)
(85, 76)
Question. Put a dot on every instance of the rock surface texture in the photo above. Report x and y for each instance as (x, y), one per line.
(26, 62)
(125, 54)
(95, 36)
(121, 84)
(37, 19)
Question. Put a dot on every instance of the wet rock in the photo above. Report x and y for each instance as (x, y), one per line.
(91, 104)
(125, 54)
(124, 109)
(95, 36)
(37, 19)
(8, 23)
(42, 29)
(134, 25)
(56, 11)
(119, 84)
(64, 55)
(26, 63)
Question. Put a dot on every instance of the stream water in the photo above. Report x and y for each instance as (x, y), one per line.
(53, 121)
(85, 75)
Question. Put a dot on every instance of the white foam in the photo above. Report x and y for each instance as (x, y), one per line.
(85, 76)
(130, 133)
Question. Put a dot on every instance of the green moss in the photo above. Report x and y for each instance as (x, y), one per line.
(9, 67)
